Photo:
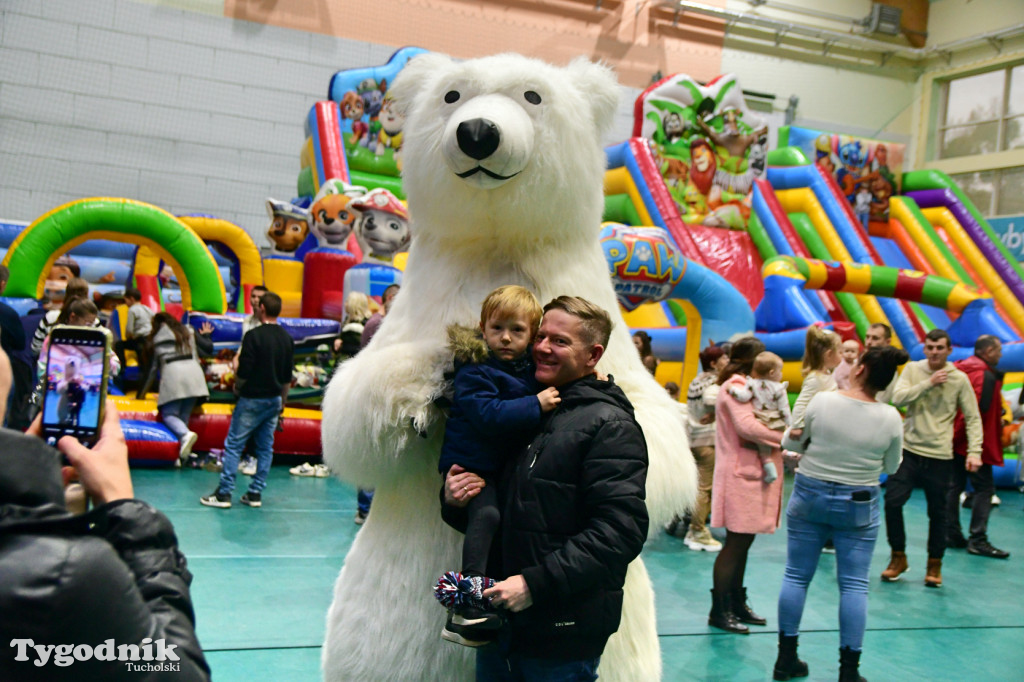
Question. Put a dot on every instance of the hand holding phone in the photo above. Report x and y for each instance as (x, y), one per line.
(102, 469)
(77, 371)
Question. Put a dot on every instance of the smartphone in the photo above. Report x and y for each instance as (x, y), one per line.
(77, 372)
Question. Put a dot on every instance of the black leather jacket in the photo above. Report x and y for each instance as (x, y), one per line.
(112, 574)
(574, 517)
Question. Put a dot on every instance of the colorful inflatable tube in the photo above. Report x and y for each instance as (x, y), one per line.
(876, 280)
(32, 253)
(931, 188)
(323, 153)
(944, 218)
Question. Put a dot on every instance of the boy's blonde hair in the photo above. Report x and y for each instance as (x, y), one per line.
(819, 342)
(764, 363)
(512, 300)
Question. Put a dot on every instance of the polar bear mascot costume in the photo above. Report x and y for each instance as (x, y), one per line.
(504, 174)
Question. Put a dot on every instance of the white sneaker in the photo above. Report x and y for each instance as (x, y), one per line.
(995, 500)
(321, 471)
(248, 466)
(305, 469)
(186, 445)
(702, 542)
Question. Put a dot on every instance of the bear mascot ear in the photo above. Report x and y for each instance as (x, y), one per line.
(412, 78)
(599, 87)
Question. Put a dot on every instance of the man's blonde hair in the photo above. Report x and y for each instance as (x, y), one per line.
(512, 300)
(597, 324)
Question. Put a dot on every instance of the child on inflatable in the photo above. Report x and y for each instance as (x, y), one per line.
(495, 403)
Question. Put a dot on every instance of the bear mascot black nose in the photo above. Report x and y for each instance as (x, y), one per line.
(478, 138)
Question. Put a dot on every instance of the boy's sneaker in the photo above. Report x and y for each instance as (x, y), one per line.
(305, 470)
(702, 541)
(216, 499)
(251, 499)
(471, 626)
(308, 470)
(186, 445)
(248, 466)
(360, 518)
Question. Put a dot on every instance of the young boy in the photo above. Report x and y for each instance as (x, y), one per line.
(767, 392)
(850, 351)
(495, 403)
(137, 328)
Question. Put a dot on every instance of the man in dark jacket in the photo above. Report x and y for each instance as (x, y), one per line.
(987, 382)
(81, 594)
(573, 516)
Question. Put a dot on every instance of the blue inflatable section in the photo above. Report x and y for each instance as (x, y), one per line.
(619, 156)
(723, 310)
(784, 248)
(227, 328)
(154, 432)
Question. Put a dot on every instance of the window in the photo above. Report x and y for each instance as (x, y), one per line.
(995, 192)
(983, 113)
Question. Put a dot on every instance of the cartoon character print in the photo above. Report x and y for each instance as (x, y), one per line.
(674, 127)
(881, 191)
(390, 135)
(352, 108)
(851, 171)
(383, 227)
(373, 101)
(331, 218)
(289, 226)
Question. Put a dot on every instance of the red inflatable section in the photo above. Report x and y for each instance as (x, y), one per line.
(323, 279)
(301, 434)
(149, 287)
(732, 255)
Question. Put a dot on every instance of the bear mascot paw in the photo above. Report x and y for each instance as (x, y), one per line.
(517, 199)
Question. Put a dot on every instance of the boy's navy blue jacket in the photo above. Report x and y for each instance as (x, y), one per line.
(495, 409)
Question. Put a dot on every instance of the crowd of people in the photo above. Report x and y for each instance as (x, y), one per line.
(844, 434)
(543, 468)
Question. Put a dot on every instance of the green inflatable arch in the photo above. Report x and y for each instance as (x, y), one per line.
(33, 252)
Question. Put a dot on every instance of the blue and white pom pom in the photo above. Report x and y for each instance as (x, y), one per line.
(454, 589)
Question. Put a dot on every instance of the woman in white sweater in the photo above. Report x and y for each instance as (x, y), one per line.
(847, 441)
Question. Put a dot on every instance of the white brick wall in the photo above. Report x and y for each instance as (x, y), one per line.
(191, 112)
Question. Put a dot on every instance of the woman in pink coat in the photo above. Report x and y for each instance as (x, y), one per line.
(746, 495)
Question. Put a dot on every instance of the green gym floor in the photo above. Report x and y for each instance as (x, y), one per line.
(264, 578)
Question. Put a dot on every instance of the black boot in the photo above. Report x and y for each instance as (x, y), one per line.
(787, 665)
(849, 662)
(741, 609)
(722, 618)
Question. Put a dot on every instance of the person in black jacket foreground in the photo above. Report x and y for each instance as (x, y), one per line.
(573, 511)
(97, 596)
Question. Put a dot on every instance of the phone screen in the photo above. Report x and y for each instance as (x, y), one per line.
(75, 375)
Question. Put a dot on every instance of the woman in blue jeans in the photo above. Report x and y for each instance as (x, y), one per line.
(847, 441)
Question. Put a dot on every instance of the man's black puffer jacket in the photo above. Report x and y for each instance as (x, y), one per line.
(574, 518)
(114, 573)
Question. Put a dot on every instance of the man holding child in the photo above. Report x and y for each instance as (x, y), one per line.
(572, 508)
